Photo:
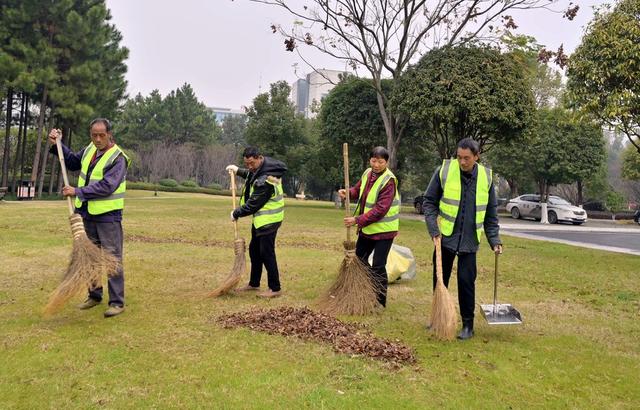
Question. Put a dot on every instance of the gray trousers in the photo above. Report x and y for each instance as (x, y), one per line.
(108, 235)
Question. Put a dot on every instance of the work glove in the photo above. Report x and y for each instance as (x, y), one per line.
(233, 168)
(233, 218)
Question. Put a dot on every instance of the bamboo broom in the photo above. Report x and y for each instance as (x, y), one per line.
(443, 309)
(353, 292)
(88, 261)
(239, 248)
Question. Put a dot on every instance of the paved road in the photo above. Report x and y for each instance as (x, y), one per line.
(606, 235)
(614, 236)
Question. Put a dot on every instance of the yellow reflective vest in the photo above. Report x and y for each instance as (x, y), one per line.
(452, 190)
(391, 221)
(114, 201)
(273, 210)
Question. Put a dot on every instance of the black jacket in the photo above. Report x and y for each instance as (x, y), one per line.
(262, 191)
(463, 239)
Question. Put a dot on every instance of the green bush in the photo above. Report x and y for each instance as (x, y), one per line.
(146, 186)
(215, 186)
(189, 183)
(168, 182)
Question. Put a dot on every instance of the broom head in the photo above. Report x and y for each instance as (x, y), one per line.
(234, 277)
(353, 292)
(443, 313)
(88, 263)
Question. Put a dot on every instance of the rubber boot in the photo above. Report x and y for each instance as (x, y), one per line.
(467, 329)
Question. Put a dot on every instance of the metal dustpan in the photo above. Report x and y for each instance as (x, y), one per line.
(500, 313)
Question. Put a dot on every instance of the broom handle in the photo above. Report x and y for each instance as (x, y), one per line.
(347, 208)
(63, 168)
(495, 286)
(438, 259)
(233, 198)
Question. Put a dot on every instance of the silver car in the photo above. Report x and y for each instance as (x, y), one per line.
(558, 209)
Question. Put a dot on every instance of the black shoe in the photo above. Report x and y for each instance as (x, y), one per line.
(466, 332)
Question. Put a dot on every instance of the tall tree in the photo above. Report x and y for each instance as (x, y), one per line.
(465, 91)
(385, 36)
(604, 71)
(274, 127)
(234, 128)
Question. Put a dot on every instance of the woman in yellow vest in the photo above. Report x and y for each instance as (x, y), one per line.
(100, 201)
(459, 204)
(376, 215)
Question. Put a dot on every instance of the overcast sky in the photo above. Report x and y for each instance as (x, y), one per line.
(226, 51)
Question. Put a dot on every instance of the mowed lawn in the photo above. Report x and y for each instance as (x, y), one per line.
(578, 348)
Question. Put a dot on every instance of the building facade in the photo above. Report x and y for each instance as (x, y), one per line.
(307, 93)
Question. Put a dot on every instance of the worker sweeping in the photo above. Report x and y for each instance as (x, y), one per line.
(262, 197)
(462, 196)
(99, 199)
(377, 217)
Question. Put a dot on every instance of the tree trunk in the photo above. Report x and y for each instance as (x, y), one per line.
(45, 156)
(25, 133)
(19, 144)
(7, 139)
(36, 156)
(580, 199)
(544, 219)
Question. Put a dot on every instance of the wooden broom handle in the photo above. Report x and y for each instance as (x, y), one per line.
(233, 198)
(63, 168)
(347, 208)
(438, 244)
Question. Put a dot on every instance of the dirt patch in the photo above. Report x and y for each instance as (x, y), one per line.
(309, 325)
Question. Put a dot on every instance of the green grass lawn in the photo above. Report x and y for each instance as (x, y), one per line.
(578, 347)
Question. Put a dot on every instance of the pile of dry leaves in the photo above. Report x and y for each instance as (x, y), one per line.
(309, 325)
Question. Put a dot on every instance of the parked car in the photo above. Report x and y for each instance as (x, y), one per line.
(417, 204)
(558, 209)
(636, 217)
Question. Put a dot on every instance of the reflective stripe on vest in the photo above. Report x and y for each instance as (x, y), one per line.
(114, 201)
(452, 190)
(391, 220)
(273, 210)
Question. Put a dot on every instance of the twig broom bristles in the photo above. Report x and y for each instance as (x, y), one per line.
(88, 261)
(353, 292)
(443, 309)
(239, 264)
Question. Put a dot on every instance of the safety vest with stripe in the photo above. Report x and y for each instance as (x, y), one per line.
(114, 201)
(273, 210)
(391, 220)
(452, 190)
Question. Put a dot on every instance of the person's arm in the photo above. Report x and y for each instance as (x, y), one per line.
(491, 225)
(383, 204)
(73, 161)
(431, 203)
(112, 178)
(262, 191)
(354, 191)
(242, 173)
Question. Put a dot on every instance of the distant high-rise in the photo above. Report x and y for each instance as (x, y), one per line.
(221, 112)
(307, 93)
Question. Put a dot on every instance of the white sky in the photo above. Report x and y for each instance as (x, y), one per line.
(226, 51)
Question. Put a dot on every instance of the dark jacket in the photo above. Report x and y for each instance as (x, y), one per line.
(463, 239)
(262, 191)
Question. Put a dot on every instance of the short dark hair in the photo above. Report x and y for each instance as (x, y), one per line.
(379, 152)
(106, 122)
(470, 144)
(251, 152)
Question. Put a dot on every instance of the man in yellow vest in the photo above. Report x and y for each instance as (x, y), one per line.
(100, 200)
(459, 204)
(263, 198)
(376, 215)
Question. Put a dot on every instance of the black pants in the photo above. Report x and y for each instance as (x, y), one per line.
(108, 235)
(467, 273)
(262, 251)
(380, 249)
